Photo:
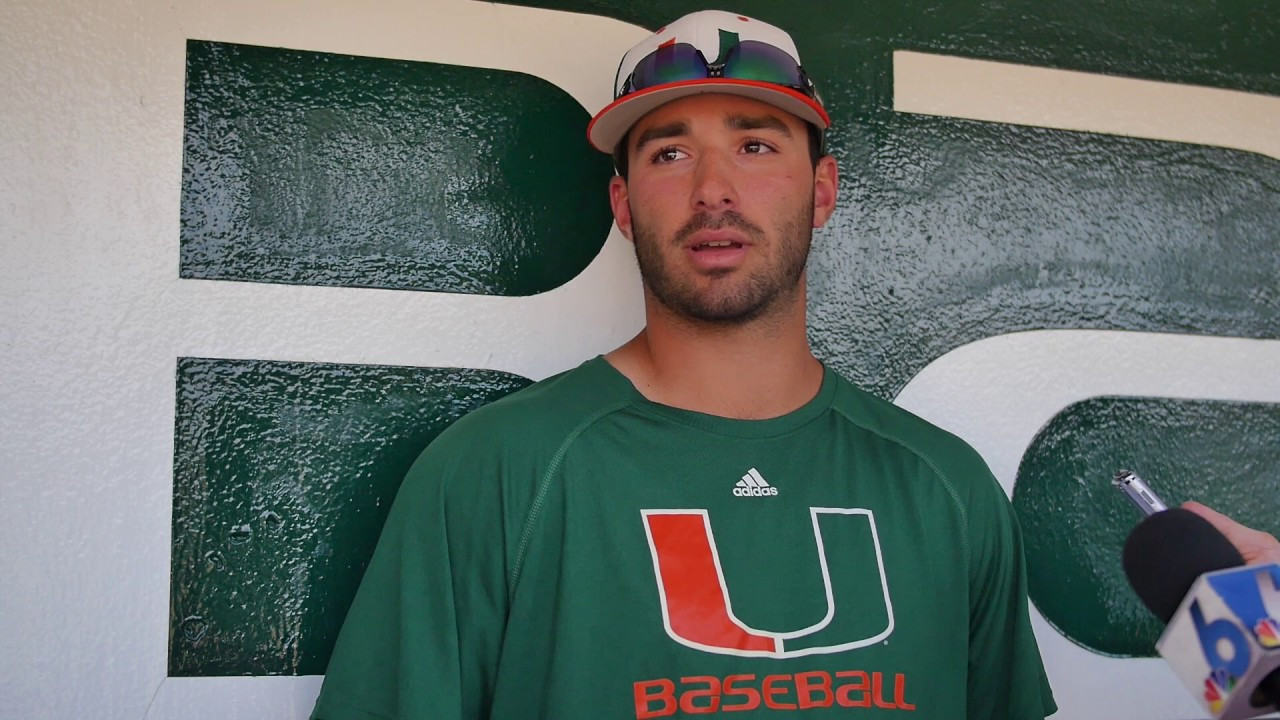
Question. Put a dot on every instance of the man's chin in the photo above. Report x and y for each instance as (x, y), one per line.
(722, 312)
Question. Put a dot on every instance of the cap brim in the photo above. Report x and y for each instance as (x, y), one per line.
(611, 123)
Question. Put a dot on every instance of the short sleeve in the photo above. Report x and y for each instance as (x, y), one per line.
(1006, 674)
(422, 637)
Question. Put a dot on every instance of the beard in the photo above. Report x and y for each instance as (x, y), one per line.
(730, 299)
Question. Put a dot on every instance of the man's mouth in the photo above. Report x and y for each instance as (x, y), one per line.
(715, 244)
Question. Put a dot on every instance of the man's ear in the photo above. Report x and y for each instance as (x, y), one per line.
(826, 185)
(618, 200)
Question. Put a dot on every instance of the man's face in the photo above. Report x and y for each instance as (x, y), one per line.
(720, 202)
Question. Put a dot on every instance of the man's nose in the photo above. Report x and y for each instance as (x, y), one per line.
(713, 187)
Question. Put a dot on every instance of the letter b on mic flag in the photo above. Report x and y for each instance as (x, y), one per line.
(1225, 638)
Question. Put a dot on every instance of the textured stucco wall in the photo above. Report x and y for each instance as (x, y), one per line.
(1105, 237)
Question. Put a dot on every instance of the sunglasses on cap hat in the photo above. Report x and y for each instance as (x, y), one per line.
(753, 59)
(748, 60)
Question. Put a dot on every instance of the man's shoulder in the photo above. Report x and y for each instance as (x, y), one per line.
(542, 414)
(949, 454)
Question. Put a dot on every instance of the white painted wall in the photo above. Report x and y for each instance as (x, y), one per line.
(94, 315)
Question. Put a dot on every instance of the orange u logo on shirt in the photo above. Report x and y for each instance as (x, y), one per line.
(696, 608)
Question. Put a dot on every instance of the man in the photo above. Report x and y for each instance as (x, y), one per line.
(706, 519)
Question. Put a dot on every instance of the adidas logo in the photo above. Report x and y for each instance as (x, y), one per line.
(752, 485)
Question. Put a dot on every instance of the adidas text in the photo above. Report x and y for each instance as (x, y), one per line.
(756, 491)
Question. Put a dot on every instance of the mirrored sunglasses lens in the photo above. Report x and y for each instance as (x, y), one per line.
(672, 63)
(751, 60)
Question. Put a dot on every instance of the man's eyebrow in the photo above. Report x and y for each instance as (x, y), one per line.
(757, 122)
(670, 130)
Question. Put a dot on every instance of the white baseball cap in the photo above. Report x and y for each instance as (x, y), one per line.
(747, 57)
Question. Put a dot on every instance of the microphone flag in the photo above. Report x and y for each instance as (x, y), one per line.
(1225, 638)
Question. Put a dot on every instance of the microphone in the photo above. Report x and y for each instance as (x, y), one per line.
(1221, 637)
(1167, 552)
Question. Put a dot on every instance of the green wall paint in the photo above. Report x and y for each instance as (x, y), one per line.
(320, 169)
(1216, 452)
(283, 475)
(953, 231)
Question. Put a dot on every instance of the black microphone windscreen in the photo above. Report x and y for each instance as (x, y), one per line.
(1167, 551)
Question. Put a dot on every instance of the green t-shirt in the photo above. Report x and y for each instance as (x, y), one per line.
(574, 551)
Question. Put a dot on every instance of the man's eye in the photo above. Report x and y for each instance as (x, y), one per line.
(666, 155)
(755, 147)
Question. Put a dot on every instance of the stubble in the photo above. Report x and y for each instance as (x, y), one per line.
(731, 297)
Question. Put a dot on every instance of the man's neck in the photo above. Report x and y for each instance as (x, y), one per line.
(758, 370)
